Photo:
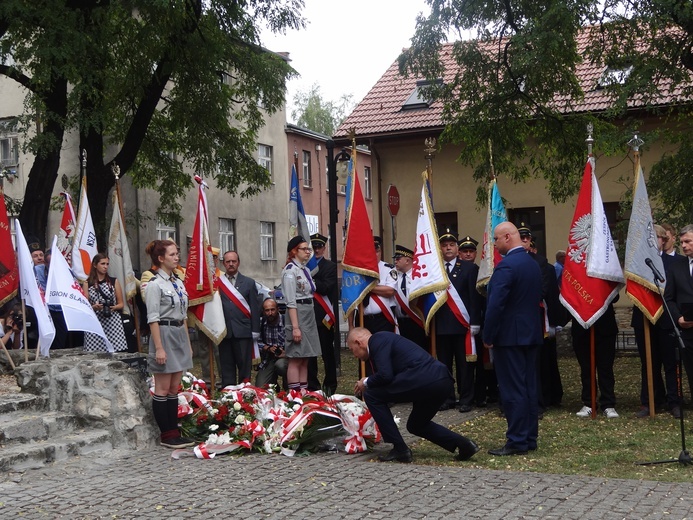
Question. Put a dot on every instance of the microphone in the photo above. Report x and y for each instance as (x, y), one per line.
(655, 271)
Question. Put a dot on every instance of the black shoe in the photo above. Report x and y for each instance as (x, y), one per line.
(178, 442)
(481, 404)
(446, 406)
(465, 408)
(676, 412)
(467, 450)
(504, 451)
(399, 456)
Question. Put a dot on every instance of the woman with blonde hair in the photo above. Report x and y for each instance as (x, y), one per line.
(302, 341)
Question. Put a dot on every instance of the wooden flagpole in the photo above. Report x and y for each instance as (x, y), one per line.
(430, 148)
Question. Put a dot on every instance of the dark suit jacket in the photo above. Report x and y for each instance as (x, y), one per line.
(237, 324)
(679, 290)
(664, 322)
(400, 365)
(326, 284)
(513, 315)
(556, 313)
(463, 278)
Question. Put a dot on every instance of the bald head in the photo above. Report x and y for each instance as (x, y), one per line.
(506, 237)
(357, 341)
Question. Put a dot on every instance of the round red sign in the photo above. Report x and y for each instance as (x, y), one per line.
(393, 200)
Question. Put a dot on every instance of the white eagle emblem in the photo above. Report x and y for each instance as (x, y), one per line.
(579, 238)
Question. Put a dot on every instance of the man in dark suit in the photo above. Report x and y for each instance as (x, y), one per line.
(403, 372)
(242, 315)
(513, 329)
(325, 279)
(451, 332)
(678, 293)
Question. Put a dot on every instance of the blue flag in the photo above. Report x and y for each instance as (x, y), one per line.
(298, 225)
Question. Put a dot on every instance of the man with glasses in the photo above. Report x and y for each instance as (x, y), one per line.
(274, 362)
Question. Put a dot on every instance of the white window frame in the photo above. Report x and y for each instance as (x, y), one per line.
(267, 235)
(9, 151)
(227, 234)
(367, 186)
(166, 232)
(264, 157)
(307, 175)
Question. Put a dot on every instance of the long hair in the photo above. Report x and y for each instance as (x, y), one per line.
(93, 277)
(157, 248)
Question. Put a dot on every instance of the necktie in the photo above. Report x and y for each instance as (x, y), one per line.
(232, 279)
(447, 267)
(403, 286)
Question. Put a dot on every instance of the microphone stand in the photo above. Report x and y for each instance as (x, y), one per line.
(684, 456)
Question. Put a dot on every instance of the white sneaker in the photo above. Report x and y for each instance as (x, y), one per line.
(610, 413)
(585, 411)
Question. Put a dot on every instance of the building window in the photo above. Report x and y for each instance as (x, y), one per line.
(266, 240)
(367, 183)
(227, 235)
(13, 231)
(417, 99)
(264, 155)
(166, 232)
(307, 176)
(9, 152)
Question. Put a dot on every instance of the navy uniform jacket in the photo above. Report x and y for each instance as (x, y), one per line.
(513, 315)
(400, 365)
(679, 290)
(555, 312)
(237, 324)
(463, 278)
(325, 280)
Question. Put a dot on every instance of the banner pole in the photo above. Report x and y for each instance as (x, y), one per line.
(593, 374)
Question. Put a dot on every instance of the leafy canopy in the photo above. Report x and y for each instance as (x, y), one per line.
(317, 114)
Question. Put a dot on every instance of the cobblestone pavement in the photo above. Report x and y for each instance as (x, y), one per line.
(323, 486)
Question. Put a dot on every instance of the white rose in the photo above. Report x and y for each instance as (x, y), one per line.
(240, 419)
(236, 406)
(214, 427)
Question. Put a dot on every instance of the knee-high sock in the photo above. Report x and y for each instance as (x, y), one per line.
(160, 410)
(172, 410)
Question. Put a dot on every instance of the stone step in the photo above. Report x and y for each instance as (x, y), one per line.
(20, 457)
(14, 402)
(32, 425)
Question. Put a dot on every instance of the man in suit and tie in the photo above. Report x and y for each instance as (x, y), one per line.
(242, 315)
(678, 293)
(402, 372)
(513, 329)
(456, 318)
(325, 279)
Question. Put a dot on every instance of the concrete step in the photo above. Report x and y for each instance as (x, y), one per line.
(32, 425)
(20, 457)
(14, 402)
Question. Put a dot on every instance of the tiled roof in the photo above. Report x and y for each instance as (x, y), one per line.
(380, 113)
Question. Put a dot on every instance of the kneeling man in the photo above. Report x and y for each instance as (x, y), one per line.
(405, 373)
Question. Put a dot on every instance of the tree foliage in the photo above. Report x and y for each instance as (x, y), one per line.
(150, 86)
(524, 56)
(317, 114)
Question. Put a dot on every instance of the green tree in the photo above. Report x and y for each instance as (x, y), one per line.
(146, 85)
(317, 114)
(524, 57)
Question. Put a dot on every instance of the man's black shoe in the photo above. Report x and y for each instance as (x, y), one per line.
(465, 408)
(446, 406)
(504, 451)
(676, 412)
(399, 456)
(467, 450)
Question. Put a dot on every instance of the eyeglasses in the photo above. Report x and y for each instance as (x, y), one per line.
(306, 249)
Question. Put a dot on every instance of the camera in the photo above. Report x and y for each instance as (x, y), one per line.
(18, 319)
(106, 311)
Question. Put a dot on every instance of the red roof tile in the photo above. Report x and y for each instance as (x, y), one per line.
(380, 112)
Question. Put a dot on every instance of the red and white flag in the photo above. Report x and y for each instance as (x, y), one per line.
(68, 225)
(31, 294)
(84, 246)
(9, 278)
(642, 245)
(205, 310)
(62, 289)
(592, 275)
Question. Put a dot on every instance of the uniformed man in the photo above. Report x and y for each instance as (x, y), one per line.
(467, 249)
(410, 323)
(460, 315)
(379, 305)
(325, 278)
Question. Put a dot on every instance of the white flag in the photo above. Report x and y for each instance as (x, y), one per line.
(84, 245)
(31, 294)
(62, 289)
(120, 263)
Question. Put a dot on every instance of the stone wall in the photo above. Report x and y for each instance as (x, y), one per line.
(98, 389)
